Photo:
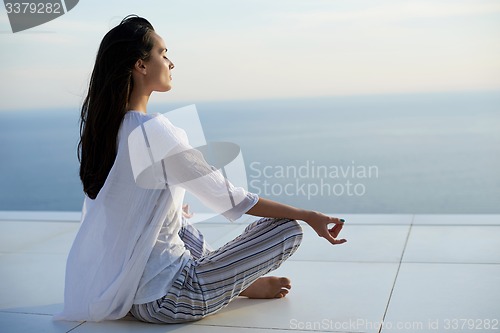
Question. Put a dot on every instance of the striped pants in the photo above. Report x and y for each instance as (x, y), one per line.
(211, 279)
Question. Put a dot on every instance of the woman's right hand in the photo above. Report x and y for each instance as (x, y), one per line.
(319, 222)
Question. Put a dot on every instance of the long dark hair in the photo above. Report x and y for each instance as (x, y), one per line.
(105, 105)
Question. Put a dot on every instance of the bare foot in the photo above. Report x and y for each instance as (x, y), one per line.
(268, 287)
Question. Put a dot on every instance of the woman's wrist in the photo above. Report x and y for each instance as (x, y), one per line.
(306, 215)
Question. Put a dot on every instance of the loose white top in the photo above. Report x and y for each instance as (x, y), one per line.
(127, 249)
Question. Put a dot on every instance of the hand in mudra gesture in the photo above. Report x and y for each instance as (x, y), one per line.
(320, 222)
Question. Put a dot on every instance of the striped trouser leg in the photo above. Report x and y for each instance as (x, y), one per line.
(209, 283)
(194, 240)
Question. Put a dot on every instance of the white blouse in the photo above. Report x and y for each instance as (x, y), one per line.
(127, 250)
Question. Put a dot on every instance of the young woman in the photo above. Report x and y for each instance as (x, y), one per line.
(134, 252)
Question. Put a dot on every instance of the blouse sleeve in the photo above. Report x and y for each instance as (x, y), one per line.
(161, 157)
(189, 169)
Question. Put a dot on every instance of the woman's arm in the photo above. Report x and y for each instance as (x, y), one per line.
(318, 221)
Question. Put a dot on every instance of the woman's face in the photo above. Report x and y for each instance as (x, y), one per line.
(158, 66)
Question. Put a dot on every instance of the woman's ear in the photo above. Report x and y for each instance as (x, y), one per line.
(140, 66)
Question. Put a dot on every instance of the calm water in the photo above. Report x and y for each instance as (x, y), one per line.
(427, 153)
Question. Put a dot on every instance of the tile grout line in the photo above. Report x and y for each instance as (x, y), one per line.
(451, 263)
(74, 328)
(274, 328)
(41, 314)
(25, 313)
(397, 274)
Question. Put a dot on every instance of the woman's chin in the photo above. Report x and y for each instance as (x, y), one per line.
(165, 89)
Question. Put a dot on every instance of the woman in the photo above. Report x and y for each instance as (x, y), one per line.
(135, 253)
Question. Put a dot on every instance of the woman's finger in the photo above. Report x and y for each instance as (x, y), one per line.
(336, 230)
(335, 241)
(336, 220)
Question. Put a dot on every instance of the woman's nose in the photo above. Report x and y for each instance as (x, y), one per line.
(171, 66)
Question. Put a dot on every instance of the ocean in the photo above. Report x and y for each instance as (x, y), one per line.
(427, 153)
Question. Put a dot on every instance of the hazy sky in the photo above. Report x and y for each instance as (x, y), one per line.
(266, 49)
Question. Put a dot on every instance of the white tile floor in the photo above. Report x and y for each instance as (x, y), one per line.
(422, 273)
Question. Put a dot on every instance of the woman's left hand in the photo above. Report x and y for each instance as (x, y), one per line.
(185, 212)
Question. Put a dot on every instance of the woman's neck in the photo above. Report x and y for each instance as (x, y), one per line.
(138, 102)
